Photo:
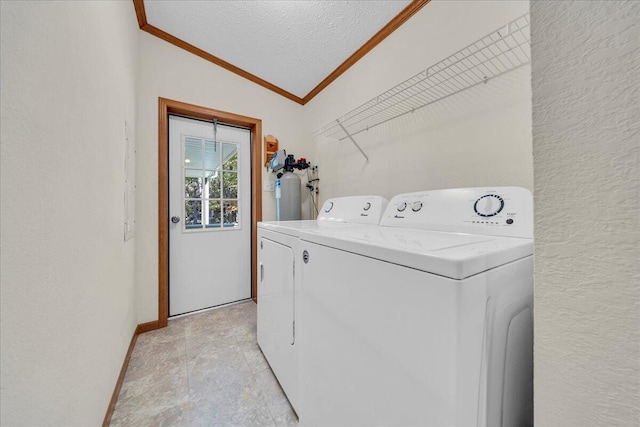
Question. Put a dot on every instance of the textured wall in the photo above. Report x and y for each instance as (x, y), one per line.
(67, 295)
(481, 137)
(586, 152)
(169, 72)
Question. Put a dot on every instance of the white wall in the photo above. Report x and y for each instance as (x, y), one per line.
(169, 72)
(67, 294)
(68, 82)
(481, 137)
(587, 208)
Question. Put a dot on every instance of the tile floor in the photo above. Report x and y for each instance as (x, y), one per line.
(202, 370)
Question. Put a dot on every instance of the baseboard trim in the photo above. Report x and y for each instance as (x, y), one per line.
(146, 327)
(141, 328)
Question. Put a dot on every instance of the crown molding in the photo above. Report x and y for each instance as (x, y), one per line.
(377, 38)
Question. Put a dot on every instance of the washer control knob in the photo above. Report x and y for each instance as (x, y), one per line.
(329, 207)
(488, 205)
(402, 206)
(366, 206)
(416, 206)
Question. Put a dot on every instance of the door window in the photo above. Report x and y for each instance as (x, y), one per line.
(211, 185)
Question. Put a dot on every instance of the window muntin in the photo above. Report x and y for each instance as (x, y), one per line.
(211, 185)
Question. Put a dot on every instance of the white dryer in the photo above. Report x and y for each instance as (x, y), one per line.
(425, 320)
(278, 279)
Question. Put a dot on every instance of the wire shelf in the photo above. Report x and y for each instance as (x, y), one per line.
(500, 52)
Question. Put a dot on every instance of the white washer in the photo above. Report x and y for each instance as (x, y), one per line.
(278, 279)
(425, 320)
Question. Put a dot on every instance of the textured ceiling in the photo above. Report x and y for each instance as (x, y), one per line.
(291, 44)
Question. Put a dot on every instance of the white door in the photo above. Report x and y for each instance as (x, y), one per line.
(210, 214)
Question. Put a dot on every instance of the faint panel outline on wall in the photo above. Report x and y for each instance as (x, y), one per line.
(129, 183)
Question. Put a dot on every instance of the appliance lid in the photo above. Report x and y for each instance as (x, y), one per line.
(453, 255)
(293, 228)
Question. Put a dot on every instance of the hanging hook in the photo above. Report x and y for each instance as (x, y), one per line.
(215, 135)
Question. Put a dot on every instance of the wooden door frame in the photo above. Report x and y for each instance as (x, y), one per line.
(166, 107)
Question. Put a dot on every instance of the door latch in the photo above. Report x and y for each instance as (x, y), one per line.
(305, 256)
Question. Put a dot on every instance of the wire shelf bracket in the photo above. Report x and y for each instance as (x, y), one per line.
(352, 140)
(501, 51)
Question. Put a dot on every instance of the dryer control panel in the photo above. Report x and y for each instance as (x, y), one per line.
(495, 211)
(356, 209)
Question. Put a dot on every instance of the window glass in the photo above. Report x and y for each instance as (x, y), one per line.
(214, 214)
(231, 218)
(230, 185)
(230, 156)
(211, 155)
(210, 184)
(193, 153)
(193, 214)
(193, 184)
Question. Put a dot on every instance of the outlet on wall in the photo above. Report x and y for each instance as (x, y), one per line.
(268, 186)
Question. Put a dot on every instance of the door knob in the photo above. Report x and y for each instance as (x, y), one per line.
(175, 219)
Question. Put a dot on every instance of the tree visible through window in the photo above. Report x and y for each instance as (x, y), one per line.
(210, 184)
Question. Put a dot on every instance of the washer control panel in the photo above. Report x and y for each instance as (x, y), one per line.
(500, 211)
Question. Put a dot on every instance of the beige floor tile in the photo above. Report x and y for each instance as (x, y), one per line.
(202, 370)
